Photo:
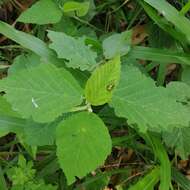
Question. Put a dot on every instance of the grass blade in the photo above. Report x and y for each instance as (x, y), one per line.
(149, 181)
(159, 55)
(162, 156)
(27, 41)
(165, 167)
(161, 74)
(185, 9)
(163, 24)
(3, 185)
(171, 14)
(182, 181)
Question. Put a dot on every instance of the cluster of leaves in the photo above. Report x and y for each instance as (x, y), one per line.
(53, 91)
(23, 177)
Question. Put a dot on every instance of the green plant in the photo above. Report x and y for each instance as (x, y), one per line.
(22, 177)
(56, 94)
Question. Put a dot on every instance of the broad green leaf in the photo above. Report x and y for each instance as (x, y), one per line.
(78, 139)
(33, 44)
(180, 91)
(148, 181)
(24, 61)
(27, 41)
(172, 15)
(103, 80)
(10, 124)
(81, 8)
(66, 25)
(139, 100)
(74, 50)
(50, 10)
(6, 109)
(40, 134)
(117, 44)
(43, 92)
(160, 55)
(179, 139)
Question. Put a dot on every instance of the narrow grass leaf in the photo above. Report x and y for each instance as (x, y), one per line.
(159, 55)
(165, 166)
(172, 15)
(148, 181)
(27, 41)
(164, 24)
(180, 179)
(3, 185)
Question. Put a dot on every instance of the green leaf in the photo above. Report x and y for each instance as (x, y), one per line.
(181, 179)
(185, 8)
(43, 92)
(24, 61)
(6, 109)
(78, 139)
(40, 134)
(164, 24)
(3, 185)
(27, 41)
(103, 80)
(81, 8)
(171, 14)
(74, 50)
(138, 99)
(117, 44)
(165, 166)
(179, 139)
(180, 91)
(149, 181)
(160, 55)
(11, 125)
(185, 75)
(22, 173)
(50, 10)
